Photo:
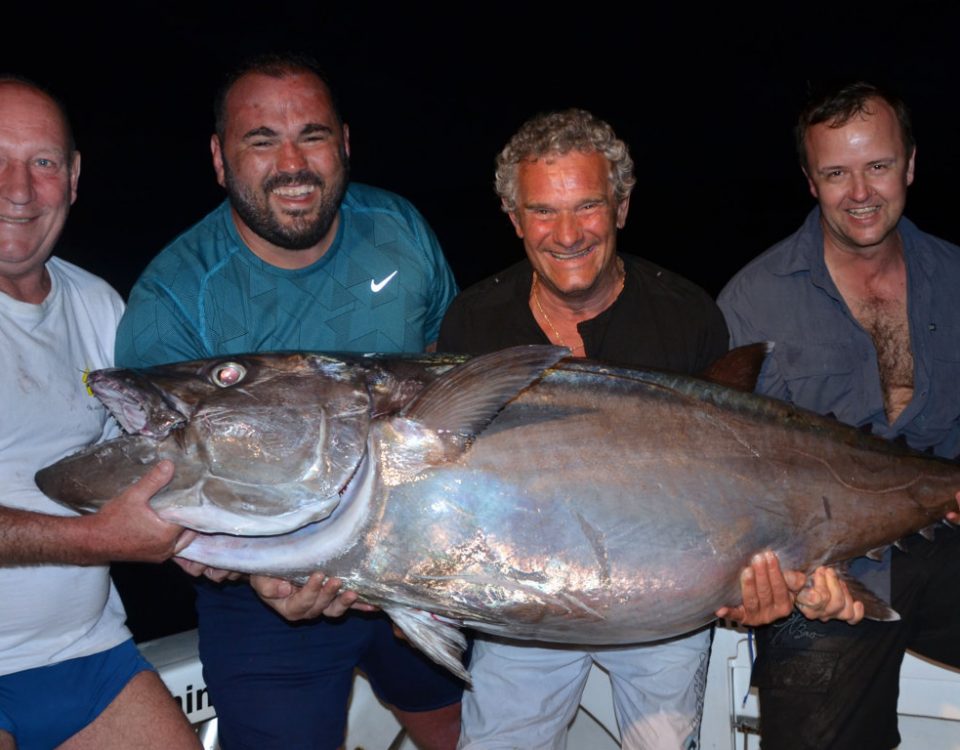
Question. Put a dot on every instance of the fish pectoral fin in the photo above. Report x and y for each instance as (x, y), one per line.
(874, 607)
(465, 400)
(440, 639)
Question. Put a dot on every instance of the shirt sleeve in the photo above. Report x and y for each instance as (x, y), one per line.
(157, 328)
(444, 286)
(745, 325)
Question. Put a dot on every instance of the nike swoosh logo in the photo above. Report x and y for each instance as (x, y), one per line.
(376, 286)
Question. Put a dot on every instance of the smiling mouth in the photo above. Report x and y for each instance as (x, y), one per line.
(16, 220)
(293, 191)
(572, 256)
(860, 213)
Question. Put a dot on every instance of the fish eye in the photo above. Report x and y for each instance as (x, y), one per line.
(227, 374)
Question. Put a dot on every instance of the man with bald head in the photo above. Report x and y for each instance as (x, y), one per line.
(63, 642)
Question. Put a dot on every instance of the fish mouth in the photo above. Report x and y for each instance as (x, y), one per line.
(138, 406)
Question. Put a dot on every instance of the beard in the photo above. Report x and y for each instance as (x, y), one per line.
(307, 229)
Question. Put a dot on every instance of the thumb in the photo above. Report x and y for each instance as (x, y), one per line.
(155, 479)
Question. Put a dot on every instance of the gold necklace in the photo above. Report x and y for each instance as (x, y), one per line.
(546, 319)
(621, 273)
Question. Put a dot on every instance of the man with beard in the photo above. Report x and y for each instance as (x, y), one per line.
(296, 259)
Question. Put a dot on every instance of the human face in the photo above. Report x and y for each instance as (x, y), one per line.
(859, 173)
(284, 163)
(38, 181)
(567, 216)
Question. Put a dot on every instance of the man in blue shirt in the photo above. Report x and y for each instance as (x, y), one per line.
(860, 306)
(296, 258)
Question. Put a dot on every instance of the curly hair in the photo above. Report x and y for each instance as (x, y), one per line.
(560, 133)
(838, 106)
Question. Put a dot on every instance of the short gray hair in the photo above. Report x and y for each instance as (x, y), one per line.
(560, 133)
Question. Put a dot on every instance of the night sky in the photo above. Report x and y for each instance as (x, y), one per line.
(706, 100)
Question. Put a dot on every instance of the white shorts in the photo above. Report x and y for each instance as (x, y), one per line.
(526, 696)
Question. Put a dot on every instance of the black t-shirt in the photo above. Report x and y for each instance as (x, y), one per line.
(660, 320)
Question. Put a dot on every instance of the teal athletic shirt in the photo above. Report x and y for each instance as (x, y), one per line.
(383, 286)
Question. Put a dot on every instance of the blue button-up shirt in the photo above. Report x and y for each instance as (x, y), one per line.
(823, 359)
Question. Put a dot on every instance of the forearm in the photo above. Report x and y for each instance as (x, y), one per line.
(124, 529)
(28, 538)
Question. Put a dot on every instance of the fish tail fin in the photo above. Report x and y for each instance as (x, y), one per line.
(439, 638)
(874, 607)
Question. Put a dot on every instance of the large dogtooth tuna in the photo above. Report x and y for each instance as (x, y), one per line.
(514, 493)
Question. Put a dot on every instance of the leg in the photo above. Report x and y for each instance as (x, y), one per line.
(523, 696)
(144, 715)
(437, 729)
(109, 699)
(932, 570)
(658, 690)
(423, 696)
(274, 683)
(829, 685)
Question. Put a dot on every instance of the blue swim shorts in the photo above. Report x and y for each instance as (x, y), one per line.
(280, 684)
(44, 707)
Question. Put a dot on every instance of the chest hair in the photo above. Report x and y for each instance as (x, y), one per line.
(886, 322)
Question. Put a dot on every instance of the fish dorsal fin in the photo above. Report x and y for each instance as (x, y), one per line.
(465, 399)
(739, 368)
(874, 608)
(877, 553)
(928, 532)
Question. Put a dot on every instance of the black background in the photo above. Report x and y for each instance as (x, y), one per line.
(705, 95)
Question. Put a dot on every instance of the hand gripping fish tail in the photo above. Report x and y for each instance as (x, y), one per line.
(517, 493)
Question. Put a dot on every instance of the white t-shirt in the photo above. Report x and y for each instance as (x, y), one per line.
(50, 613)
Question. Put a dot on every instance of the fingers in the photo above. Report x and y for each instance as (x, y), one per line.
(318, 596)
(271, 588)
(829, 598)
(954, 516)
(189, 566)
(766, 592)
(183, 541)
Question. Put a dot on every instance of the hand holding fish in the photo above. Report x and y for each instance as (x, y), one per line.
(953, 516)
(127, 529)
(769, 593)
(318, 596)
(828, 598)
(217, 575)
